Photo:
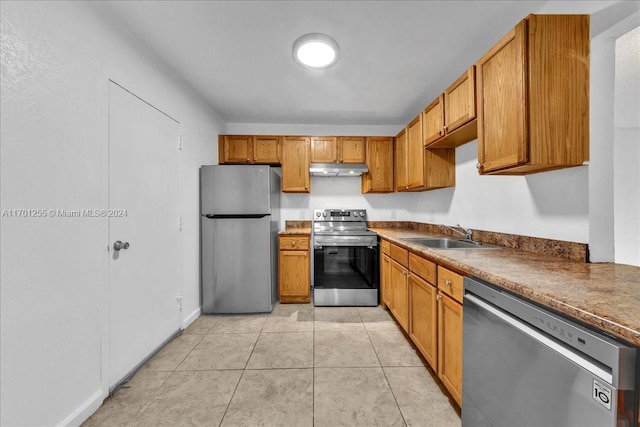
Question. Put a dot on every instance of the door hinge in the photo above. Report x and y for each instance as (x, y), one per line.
(180, 224)
(180, 298)
(180, 143)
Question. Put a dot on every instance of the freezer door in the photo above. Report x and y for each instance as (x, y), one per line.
(235, 190)
(236, 265)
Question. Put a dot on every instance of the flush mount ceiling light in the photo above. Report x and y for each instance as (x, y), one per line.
(315, 51)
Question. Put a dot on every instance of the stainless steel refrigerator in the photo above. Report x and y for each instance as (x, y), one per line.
(240, 223)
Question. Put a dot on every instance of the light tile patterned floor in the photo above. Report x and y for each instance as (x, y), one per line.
(297, 366)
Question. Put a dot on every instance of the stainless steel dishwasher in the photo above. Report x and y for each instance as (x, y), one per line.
(525, 366)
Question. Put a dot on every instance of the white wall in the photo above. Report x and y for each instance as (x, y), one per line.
(56, 57)
(626, 148)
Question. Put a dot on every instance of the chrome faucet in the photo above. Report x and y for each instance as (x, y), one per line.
(467, 232)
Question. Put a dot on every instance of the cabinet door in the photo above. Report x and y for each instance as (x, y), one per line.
(385, 281)
(266, 150)
(502, 101)
(433, 121)
(450, 345)
(235, 149)
(401, 161)
(324, 149)
(294, 276)
(295, 164)
(352, 149)
(415, 154)
(423, 321)
(460, 101)
(379, 179)
(400, 290)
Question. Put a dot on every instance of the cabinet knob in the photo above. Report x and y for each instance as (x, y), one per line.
(446, 128)
(478, 166)
(293, 243)
(438, 297)
(248, 159)
(255, 159)
(439, 132)
(447, 282)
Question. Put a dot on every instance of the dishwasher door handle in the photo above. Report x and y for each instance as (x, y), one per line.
(542, 339)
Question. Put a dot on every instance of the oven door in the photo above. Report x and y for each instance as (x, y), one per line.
(345, 275)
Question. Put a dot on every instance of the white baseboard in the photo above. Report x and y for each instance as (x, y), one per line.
(191, 318)
(87, 409)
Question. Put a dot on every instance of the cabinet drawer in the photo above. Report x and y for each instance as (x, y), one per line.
(423, 268)
(294, 242)
(450, 283)
(400, 254)
(386, 247)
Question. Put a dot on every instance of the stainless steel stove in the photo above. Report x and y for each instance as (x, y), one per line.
(345, 261)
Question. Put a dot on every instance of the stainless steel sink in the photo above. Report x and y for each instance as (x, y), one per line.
(443, 243)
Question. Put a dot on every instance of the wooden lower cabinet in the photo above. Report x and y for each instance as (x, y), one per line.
(294, 279)
(423, 322)
(386, 298)
(400, 294)
(450, 345)
(426, 300)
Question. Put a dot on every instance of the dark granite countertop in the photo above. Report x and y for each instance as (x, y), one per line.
(605, 296)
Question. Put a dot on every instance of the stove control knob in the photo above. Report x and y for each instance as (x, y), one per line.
(324, 214)
(362, 214)
(317, 214)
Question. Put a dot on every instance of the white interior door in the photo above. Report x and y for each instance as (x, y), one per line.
(144, 278)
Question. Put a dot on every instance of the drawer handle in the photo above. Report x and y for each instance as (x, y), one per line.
(447, 282)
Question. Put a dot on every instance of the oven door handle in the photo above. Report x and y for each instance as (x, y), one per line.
(319, 242)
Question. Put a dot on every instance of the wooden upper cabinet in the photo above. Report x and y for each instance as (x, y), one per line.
(295, 164)
(342, 149)
(433, 121)
(379, 156)
(423, 169)
(449, 121)
(324, 149)
(266, 149)
(248, 149)
(415, 154)
(532, 116)
(352, 149)
(400, 165)
(460, 101)
(234, 148)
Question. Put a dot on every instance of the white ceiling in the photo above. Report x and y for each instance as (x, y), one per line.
(395, 56)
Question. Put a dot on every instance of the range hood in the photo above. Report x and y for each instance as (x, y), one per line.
(338, 169)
